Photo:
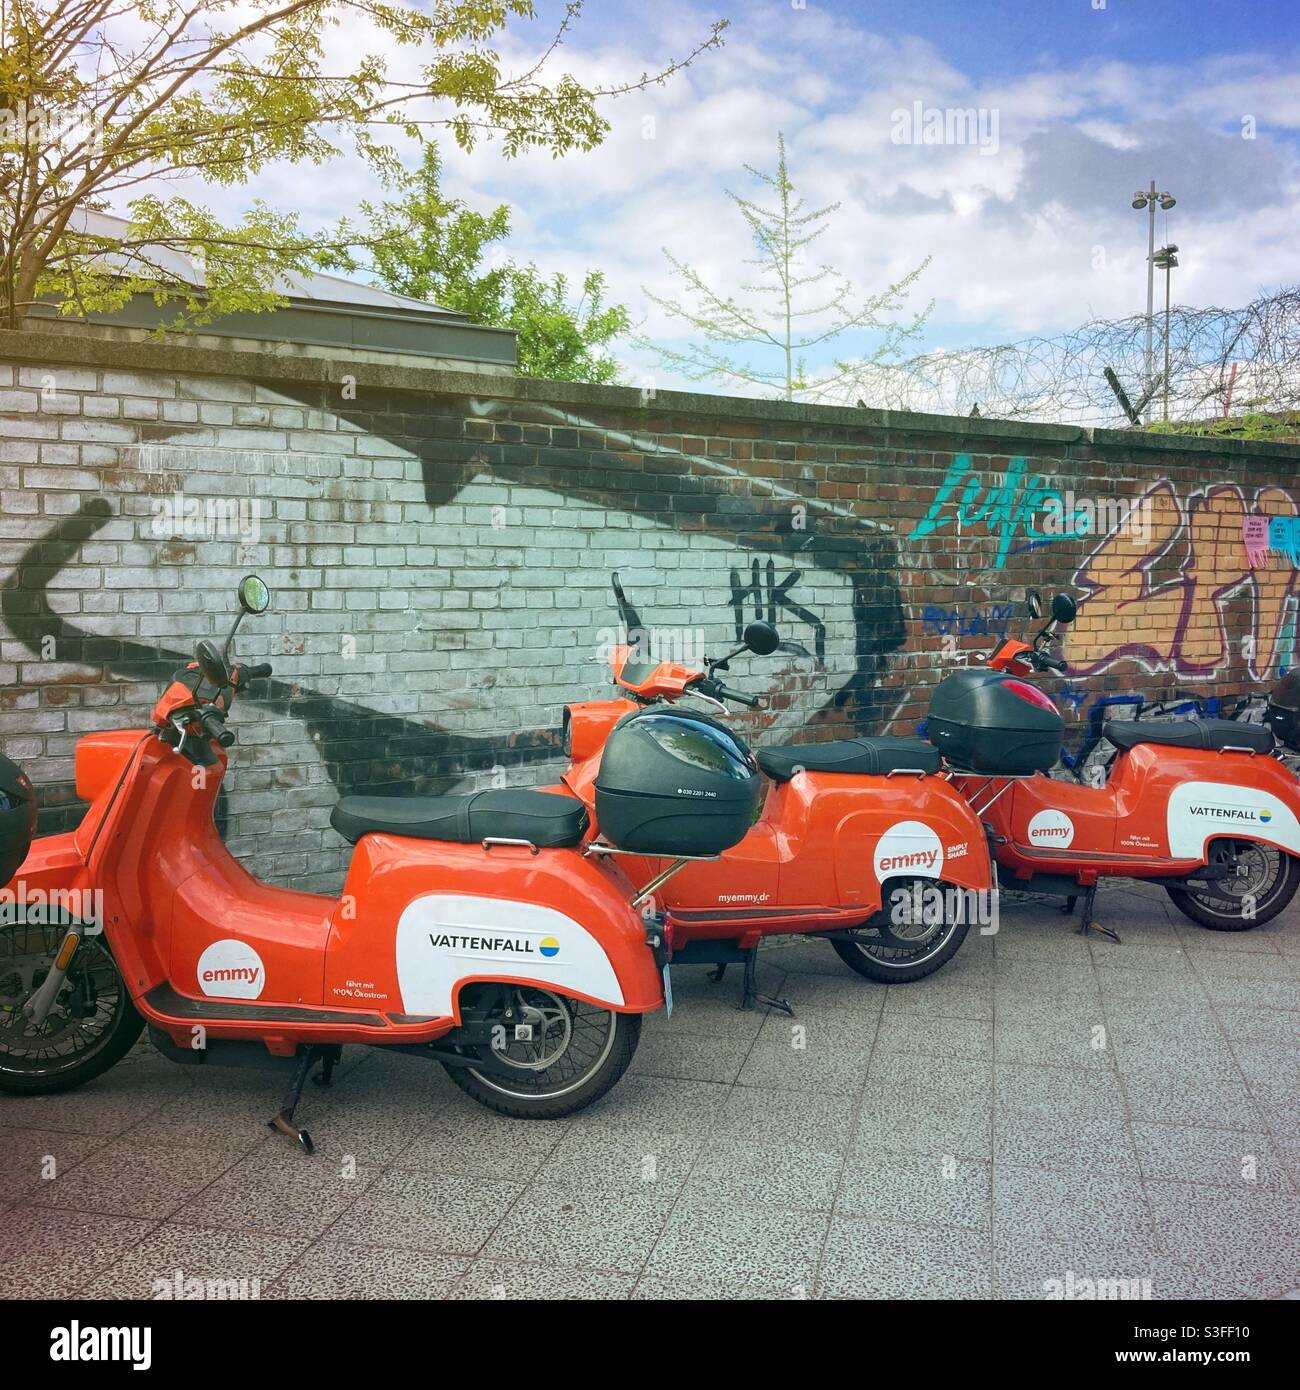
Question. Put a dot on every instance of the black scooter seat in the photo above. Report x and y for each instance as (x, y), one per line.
(1212, 735)
(545, 819)
(861, 757)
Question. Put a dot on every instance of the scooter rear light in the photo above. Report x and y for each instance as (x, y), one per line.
(1030, 694)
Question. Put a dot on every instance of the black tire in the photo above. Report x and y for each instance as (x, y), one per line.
(1272, 887)
(95, 977)
(895, 964)
(551, 1093)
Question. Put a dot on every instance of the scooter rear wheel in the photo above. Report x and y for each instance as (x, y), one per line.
(1267, 886)
(90, 1027)
(577, 1052)
(901, 952)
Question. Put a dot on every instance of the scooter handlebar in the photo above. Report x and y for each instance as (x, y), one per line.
(213, 724)
(253, 673)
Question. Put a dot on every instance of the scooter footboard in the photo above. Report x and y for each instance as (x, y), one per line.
(421, 919)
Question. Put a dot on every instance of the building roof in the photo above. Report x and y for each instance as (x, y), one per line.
(323, 311)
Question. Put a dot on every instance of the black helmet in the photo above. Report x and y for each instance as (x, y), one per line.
(17, 817)
(673, 782)
(1283, 713)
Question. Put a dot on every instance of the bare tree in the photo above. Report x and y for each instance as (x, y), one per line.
(792, 308)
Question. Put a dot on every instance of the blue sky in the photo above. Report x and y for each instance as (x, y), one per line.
(1031, 233)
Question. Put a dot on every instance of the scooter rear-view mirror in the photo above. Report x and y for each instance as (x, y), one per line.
(254, 596)
(1064, 609)
(761, 638)
(1034, 603)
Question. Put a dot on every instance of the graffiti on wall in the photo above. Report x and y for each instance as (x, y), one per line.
(1189, 598)
(1019, 510)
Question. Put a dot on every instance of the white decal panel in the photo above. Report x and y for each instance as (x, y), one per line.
(1199, 811)
(1051, 828)
(909, 849)
(231, 969)
(443, 938)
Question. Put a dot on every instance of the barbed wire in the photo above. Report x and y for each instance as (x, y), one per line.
(1222, 362)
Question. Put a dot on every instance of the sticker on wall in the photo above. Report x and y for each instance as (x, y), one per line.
(231, 969)
(1052, 828)
(1255, 535)
(1201, 811)
(909, 849)
(443, 938)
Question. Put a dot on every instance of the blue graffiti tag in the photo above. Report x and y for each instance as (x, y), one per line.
(1009, 505)
(982, 622)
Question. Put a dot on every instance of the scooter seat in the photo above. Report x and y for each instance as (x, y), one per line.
(1213, 735)
(869, 757)
(507, 813)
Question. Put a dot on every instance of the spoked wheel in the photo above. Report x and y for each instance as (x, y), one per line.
(1264, 881)
(90, 1026)
(572, 1054)
(894, 952)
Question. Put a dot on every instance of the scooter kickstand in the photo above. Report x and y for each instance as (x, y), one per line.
(282, 1123)
(1088, 923)
(751, 996)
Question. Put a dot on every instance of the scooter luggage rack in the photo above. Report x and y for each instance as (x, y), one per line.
(986, 781)
(680, 861)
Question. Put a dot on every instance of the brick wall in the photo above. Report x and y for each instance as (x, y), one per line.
(439, 548)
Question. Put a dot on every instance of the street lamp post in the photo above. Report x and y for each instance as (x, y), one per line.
(1166, 259)
(1148, 200)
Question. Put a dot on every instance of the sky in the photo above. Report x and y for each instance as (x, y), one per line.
(1030, 228)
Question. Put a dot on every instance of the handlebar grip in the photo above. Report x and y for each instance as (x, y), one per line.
(213, 724)
(740, 699)
(252, 673)
(1055, 664)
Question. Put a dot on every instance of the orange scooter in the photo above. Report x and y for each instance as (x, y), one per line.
(1202, 807)
(852, 833)
(475, 930)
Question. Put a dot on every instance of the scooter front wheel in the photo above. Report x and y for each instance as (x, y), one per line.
(1265, 882)
(553, 1055)
(90, 1026)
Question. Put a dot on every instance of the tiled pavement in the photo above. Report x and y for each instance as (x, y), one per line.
(1043, 1108)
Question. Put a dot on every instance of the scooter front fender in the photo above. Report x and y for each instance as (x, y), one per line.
(419, 920)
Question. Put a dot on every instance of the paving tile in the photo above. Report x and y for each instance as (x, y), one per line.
(868, 1258)
(685, 1057)
(629, 1159)
(917, 1189)
(1057, 1091)
(941, 999)
(835, 1068)
(903, 1035)
(1214, 1157)
(1081, 1268)
(228, 1264)
(764, 1247)
(1106, 1212)
(1276, 1026)
(1060, 1037)
(961, 1127)
(1259, 1228)
(487, 1280)
(1096, 1143)
(30, 1158)
(125, 1179)
(600, 1229)
(653, 1288)
(1200, 1097)
(764, 1174)
(453, 1215)
(807, 1118)
(477, 1141)
(278, 1191)
(53, 1254)
(674, 1107)
(334, 1269)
